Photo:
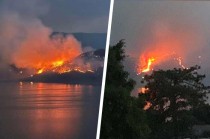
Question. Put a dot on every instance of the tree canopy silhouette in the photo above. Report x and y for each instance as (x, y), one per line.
(123, 116)
(177, 100)
(174, 96)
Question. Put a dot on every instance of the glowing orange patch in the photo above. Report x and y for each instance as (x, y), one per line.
(57, 63)
(40, 71)
(149, 63)
(146, 65)
(148, 105)
(142, 90)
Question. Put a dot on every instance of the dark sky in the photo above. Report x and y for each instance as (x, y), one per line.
(77, 15)
(64, 15)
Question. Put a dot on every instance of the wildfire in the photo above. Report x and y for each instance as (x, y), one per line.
(147, 106)
(179, 59)
(58, 63)
(40, 71)
(142, 90)
(64, 67)
(146, 64)
(149, 63)
(50, 67)
(90, 70)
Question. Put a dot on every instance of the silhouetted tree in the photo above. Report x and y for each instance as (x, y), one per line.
(123, 116)
(174, 96)
(202, 114)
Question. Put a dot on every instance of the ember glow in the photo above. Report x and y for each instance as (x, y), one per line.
(148, 59)
(147, 63)
(179, 59)
(66, 66)
(142, 90)
(147, 106)
(58, 63)
(64, 69)
(40, 71)
(50, 67)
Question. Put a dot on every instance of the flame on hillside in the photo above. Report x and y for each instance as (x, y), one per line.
(40, 71)
(64, 67)
(147, 63)
(166, 42)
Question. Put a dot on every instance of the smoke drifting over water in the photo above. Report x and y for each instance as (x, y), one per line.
(25, 41)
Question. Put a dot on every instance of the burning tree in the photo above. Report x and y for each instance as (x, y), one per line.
(172, 97)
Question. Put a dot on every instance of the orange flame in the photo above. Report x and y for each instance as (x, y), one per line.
(149, 63)
(42, 53)
(61, 67)
(58, 63)
(40, 71)
(142, 90)
(147, 106)
(146, 65)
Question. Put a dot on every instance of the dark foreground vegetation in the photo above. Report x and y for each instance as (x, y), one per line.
(177, 98)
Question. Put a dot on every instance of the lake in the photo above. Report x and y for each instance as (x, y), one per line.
(48, 111)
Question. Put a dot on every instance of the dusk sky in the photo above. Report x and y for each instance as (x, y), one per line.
(77, 16)
(132, 20)
(152, 28)
(65, 15)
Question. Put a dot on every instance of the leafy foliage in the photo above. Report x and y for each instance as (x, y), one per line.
(123, 116)
(202, 114)
(177, 98)
(174, 96)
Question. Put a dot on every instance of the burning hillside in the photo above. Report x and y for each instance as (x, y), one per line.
(147, 63)
(168, 44)
(85, 62)
(30, 48)
(87, 68)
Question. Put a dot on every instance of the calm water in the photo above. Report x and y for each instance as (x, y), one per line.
(48, 111)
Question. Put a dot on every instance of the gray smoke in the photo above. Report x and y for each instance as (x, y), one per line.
(181, 26)
(25, 41)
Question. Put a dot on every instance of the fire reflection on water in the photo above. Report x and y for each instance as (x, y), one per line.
(54, 108)
(53, 111)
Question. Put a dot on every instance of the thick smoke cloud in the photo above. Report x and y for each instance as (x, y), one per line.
(25, 41)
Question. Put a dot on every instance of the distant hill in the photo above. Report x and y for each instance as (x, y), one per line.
(68, 78)
(94, 58)
(95, 40)
(95, 55)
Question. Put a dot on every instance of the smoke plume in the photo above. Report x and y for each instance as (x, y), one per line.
(25, 41)
(163, 29)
